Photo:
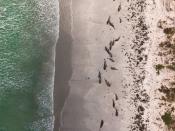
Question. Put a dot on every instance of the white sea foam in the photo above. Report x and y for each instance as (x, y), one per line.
(49, 17)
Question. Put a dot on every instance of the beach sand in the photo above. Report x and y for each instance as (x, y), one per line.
(63, 69)
(88, 101)
(89, 75)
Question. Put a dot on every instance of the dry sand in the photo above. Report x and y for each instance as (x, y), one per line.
(84, 103)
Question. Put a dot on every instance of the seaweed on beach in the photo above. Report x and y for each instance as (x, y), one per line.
(171, 67)
(137, 61)
(169, 93)
(169, 31)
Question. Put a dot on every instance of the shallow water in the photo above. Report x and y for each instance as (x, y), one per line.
(28, 33)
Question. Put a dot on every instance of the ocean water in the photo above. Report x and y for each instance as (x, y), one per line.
(28, 34)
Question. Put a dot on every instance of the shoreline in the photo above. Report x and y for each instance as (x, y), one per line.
(94, 82)
(90, 102)
(63, 69)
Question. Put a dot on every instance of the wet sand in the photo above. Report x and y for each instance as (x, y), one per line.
(63, 69)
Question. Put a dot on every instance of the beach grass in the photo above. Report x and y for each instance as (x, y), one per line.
(159, 67)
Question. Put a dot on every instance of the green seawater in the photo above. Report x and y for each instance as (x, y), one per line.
(28, 33)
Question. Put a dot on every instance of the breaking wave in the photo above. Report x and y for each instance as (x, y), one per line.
(28, 35)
